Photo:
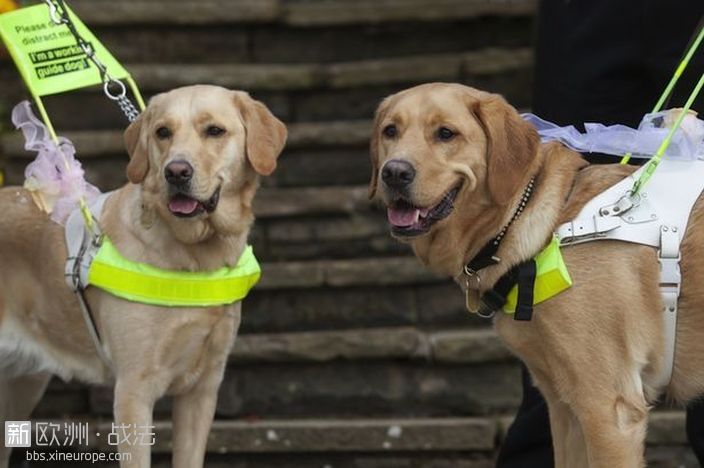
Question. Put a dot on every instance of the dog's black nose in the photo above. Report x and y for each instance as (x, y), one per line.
(178, 172)
(398, 174)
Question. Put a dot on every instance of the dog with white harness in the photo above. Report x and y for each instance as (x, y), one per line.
(605, 328)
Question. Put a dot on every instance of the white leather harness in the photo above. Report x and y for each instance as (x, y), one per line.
(656, 217)
(79, 244)
(81, 249)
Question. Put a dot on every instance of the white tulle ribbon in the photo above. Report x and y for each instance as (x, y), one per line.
(687, 143)
(55, 177)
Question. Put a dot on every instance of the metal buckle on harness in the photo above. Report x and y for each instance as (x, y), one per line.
(577, 231)
(471, 303)
(91, 238)
(669, 258)
(624, 204)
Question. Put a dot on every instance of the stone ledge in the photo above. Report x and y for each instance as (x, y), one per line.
(342, 75)
(97, 143)
(665, 427)
(328, 435)
(341, 12)
(354, 435)
(271, 203)
(306, 201)
(345, 273)
(263, 77)
(296, 13)
(449, 347)
(180, 12)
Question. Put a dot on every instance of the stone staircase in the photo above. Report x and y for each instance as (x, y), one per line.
(350, 355)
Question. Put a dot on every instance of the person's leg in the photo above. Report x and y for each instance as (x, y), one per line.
(586, 70)
(528, 443)
(695, 428)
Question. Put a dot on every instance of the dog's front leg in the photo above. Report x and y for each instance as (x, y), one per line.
(192, 417)
(567, 440)
(614, 430)
(194, 409)
(134, 404)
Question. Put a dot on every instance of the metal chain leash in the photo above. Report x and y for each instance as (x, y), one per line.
(113, 88)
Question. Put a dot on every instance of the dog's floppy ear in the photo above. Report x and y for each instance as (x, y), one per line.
(512, 145)
(266, 135)
(137, 149)
(374, 145)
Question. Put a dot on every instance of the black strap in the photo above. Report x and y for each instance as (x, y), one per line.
(524, 275)
(526, 285)
(486, 257)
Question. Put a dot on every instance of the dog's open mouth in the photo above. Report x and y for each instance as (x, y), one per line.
(184, 206)
(408, 220)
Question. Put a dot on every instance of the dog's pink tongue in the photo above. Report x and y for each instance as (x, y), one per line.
(183, 205)
(401, 217)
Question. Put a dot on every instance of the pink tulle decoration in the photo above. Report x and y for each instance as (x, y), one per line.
(60, 187)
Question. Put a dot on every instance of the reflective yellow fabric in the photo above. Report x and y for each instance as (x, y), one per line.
(144, 283)
(551, 279)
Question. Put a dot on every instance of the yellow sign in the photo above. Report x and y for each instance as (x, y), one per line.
(47, 55)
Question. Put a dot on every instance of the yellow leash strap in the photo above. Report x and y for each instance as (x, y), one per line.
(655, 160)
(139, 282)
(675, 78)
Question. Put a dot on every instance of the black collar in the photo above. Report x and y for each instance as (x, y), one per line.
(523, 274)
(487, 255)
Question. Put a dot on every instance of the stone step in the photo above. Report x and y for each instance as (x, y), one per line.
(291, 13)
(367, 443)
(379, 272)
(299, 92)
(342, 388)
(298, 77)
(308, 201)
(156, 77)
(337, 150)
(198, 41)
(388, 459)
(472, 346)
(109, 143)
(332, 236)
(666, 427)
(432, 305)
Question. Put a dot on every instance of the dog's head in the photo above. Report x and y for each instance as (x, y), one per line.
(440, 151)
(198, 151)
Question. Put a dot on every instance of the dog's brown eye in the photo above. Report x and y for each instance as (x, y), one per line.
(445, 134)
(214, 130)
(390, 131)
(163, 133)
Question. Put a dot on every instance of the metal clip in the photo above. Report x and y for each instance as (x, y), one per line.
(471, 301)
(624, 204)
(121, 90)
(56, 17)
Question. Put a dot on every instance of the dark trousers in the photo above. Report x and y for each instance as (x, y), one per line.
(528, 443)
(603, 61)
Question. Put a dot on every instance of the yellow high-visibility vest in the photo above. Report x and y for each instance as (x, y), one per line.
(139, 282)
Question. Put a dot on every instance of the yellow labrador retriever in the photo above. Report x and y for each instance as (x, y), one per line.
(451, 164)
(196, 155)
